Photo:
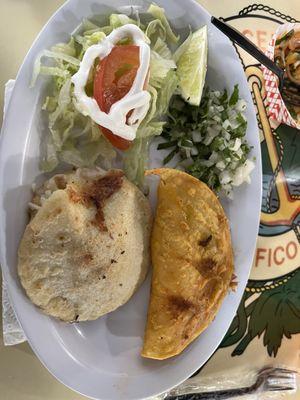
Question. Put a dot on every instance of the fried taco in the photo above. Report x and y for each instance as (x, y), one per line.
(192, 263)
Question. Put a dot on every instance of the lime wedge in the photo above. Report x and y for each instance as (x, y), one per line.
(192, 66)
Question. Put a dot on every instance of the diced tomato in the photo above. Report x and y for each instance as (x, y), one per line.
(113, 79)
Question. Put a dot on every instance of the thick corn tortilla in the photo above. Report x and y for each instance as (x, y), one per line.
(86, 250)
(192, 263)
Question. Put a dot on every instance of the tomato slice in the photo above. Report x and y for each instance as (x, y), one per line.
(113, 79)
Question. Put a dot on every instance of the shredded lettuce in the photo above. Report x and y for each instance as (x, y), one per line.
(154, 128)
(152, 107)
(65, 48)
(88, 153)
(135, 160)
(117, 20)
(74, 138)
(155, 30)
(159, 68)
(57, 71)
(161, 48)
(88, 40)
(168, 88)
(88, 27)
(159, 13)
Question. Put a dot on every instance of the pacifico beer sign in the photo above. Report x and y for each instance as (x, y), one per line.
(270, 307)
(275, 256)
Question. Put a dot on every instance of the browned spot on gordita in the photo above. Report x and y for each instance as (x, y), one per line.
(96, 193)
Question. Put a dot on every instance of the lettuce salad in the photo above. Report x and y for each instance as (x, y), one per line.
(75, 138)
(209, 138)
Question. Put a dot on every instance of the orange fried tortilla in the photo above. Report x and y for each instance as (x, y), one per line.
(192, 263)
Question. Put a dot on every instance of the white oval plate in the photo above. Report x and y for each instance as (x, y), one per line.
(101, 359)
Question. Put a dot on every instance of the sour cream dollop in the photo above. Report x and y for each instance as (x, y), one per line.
(136, 99)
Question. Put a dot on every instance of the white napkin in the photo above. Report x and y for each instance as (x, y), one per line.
(12, 331)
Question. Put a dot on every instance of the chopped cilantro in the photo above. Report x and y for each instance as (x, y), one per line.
(235, 96)
(210, 139)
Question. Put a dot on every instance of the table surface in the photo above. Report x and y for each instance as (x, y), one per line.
(22, 376)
